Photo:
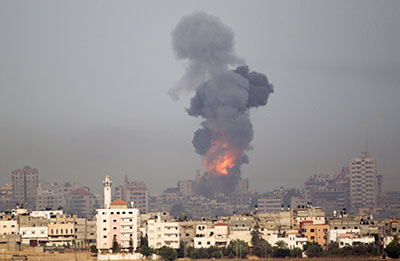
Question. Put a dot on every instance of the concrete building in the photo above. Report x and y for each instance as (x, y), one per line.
(81, 202)
(9, 227)
(61, 230)
(185, 187)
(52, 195)
(163, 233)
(134, 191)
(120, 224)
(363, 182)
(6, 196)
(349, 239)
(216, 235)
(10, 243)
(46, 213)
(85, 232)
(270, 204)
(25, 184)
(33, 230)
(317, 233)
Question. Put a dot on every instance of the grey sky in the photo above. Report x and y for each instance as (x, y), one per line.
(83, 89)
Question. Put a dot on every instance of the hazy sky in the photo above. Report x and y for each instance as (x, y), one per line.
(83, 89)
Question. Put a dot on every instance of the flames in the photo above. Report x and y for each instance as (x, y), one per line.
(220, 158)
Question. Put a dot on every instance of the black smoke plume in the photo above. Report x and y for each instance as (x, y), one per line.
(223, 97)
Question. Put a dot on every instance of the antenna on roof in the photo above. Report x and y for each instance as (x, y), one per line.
(366, 142)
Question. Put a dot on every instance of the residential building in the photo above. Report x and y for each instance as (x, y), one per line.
(134, 191)
(317, 233)
(33, 230)
(120, 224)
(215, 235)
(81, 202)
(363, 182)
(61, 230)
(9, 227)
(185, 187)
(163, 233)
(25, 183)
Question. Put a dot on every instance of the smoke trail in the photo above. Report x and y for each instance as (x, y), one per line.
(223, 98)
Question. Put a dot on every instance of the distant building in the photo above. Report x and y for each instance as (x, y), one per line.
(271, 203)
(25, 184)
(81, 202)
(52, 195)
(6, 196)
(135, 191)
(363, 182)
(185, 187)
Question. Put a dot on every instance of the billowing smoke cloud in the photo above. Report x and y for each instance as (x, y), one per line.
(223, 98)
(207, 44)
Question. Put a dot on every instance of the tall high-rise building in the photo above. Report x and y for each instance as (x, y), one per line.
(363, 181)
(25, 184)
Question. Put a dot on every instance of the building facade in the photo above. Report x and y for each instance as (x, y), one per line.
(134, 191)
(118, 224)
(25, 184)
(363, 182)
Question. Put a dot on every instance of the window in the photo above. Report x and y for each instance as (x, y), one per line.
(312, 230)
(104, 229)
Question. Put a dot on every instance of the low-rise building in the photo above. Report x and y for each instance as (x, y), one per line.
(163, 233)
(216, 235)
(9, 227)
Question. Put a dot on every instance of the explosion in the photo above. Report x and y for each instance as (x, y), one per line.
(223, 98)
(217, 162)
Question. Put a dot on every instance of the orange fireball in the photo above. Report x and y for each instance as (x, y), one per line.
(220, 157)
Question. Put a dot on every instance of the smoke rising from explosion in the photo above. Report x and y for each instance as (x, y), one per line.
(223, 98)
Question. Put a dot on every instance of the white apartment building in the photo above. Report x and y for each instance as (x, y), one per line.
(363, 181)
(46, 213)
(117, 223)
(162, 233)
(34, 235)
(9, 227)
(292, 240)
(217, 235)
(350, 239)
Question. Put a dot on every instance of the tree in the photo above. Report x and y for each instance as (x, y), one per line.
(130, 245)
(281, 244)
(255, 236)
(263, 249)
(280, 252)
(146, 251)
(393, 249)
(333, 249)
(167, 253)
(313, 249)
(115, 246)
(238, 248)
(144, 241)
(296, 252)
(93, 249)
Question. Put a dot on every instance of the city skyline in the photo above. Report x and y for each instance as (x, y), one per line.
(84, 90)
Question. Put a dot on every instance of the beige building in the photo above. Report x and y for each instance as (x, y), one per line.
(134, 191)
(163, 233)
(363, 182)
(25, 184)
(9, 227)
(185, 187)
(85, 232)
(61, 230)
(215, 235)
